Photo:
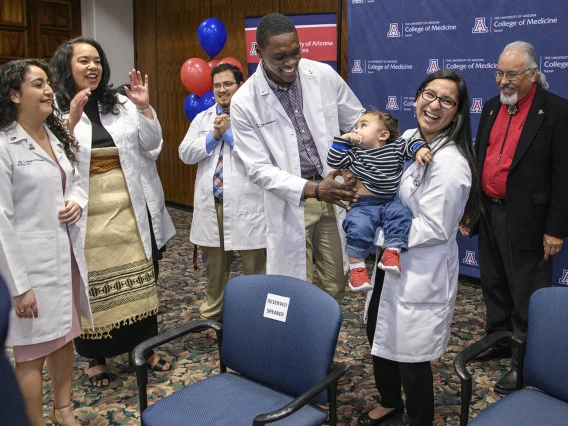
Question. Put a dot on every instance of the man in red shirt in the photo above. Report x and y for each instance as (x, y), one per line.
(522, 153)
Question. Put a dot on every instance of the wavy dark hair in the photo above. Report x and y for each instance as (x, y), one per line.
(65, 90)
(459, 131)
(12, 75)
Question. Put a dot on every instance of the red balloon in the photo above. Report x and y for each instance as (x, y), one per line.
(213, 63)
(196, 76)
(233, 61)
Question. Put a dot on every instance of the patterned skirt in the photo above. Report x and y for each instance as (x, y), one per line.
(122, 287)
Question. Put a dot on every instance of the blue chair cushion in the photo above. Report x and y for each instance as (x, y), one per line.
(215, 400)
(524, 407)
(546, 363)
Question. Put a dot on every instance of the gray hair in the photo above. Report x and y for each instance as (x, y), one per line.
(528, 50)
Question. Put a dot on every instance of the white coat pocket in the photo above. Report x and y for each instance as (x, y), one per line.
(424, 277)
(40, 251)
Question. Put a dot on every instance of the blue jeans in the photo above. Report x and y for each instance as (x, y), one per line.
(366, 215)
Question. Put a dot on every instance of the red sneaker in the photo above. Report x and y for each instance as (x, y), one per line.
(390, 262)
(359, 280)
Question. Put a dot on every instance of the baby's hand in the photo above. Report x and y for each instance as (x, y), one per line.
(424, 156)
(353, 138)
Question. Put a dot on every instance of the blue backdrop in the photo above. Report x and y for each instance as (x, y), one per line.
(393, 46)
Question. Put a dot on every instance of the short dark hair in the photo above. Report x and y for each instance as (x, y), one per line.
(390, 123)
(272, 25)
(228, 67)
(12, 75)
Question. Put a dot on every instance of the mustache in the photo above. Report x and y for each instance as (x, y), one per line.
(507, 86)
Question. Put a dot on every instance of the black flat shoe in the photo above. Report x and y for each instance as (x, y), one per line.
(366, 420)
(507, 384)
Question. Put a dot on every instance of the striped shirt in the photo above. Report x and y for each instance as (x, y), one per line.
(379, 169)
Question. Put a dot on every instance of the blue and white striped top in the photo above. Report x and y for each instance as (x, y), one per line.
(379, 169)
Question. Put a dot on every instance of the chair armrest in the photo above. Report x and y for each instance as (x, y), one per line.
(335, 372)
(139, 358)
(466, 355)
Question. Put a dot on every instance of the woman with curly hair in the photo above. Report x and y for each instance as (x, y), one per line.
(41, 248)
(113, 132)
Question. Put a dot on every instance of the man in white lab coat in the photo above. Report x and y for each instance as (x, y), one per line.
(228, 213)
(284, 119)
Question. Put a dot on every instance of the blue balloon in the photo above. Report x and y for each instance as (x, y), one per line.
(191, 106)
(206, 101)
(212, 36)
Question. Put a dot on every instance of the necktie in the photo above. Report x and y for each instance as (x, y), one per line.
(218, 175)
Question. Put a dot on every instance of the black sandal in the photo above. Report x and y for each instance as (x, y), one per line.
(159, 366)
(100, 377)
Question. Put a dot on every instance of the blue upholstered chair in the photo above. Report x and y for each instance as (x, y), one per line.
(280, 352)
(544, 368)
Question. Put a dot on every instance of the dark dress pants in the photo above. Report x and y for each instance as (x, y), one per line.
(508, 276)
(415, 377)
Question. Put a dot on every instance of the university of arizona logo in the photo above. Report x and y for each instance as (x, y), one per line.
(393, 30)
(564, 278)
(392, 103)
(479, 27)
(356, 1)
(469, 258)
(253, 48)
(357, 66)
(476, 105)
(433, 67)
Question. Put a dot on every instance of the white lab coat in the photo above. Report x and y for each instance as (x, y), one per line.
(416, 309)
(154, 193)
(34, 245)
(244, 226)
(266, 142)
(133, 134)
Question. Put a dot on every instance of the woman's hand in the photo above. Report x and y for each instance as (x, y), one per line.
(25, 305)
(138, 92)
(76, 108)
(464, 226)
(71, 213)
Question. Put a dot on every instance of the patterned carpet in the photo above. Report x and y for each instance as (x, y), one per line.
(181, 289)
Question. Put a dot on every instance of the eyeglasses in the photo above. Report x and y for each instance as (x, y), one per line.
(225, 84)
(445, 102)
(511, 75)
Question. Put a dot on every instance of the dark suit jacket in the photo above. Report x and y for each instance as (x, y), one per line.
(537, 184)
(12, 409)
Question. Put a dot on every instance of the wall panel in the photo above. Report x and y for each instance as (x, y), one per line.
(34, 28)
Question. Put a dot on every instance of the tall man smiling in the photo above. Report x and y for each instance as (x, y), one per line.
(522, 151)
(284, 119)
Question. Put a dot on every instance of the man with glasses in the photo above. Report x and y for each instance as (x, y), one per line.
(228, 211)
(522, 151)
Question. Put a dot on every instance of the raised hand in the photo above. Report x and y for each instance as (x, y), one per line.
(76, 108)
(138, 92)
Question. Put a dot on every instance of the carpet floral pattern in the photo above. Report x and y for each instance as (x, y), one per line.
(180, 292)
